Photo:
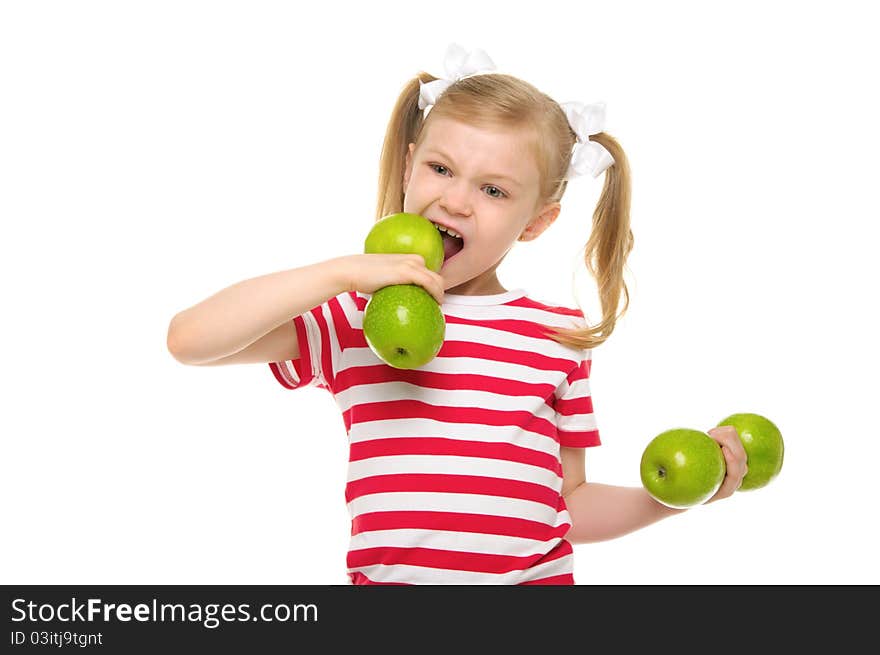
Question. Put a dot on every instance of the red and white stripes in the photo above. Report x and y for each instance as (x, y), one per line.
(454, 474)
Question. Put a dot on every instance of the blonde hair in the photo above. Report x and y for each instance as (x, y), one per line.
(503, 100)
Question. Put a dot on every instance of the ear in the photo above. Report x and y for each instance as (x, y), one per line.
(541, 222)
(408, 172)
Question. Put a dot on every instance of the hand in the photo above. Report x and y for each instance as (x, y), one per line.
(368, 273)
(734, 457)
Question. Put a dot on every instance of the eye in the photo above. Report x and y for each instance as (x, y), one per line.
(500, 195)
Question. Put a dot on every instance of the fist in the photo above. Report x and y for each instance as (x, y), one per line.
(735, 459)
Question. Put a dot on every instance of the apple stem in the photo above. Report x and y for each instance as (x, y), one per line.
(661, 472)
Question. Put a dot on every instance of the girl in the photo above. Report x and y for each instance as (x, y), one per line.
(470, 469)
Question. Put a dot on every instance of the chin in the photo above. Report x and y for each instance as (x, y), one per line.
(450, 264)
(448, 281)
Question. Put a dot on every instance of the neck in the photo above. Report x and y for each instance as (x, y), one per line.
(479, 286)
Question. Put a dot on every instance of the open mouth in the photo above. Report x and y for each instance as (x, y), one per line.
(452, 243)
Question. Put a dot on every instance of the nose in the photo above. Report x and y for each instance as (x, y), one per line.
(456, 198)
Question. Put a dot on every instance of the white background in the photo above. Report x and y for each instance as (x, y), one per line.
(153, 153)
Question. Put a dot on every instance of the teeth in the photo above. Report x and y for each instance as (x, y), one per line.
(448, 231)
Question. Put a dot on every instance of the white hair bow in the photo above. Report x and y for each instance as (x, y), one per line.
(586, 156)
(459, 64)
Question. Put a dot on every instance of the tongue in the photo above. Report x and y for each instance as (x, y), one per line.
(451, 245)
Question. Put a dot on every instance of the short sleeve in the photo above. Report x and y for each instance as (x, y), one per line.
(320, 333)
(575, 420)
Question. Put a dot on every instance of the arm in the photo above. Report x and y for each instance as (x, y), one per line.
(239, 316)
(600, 511)
(247, 322)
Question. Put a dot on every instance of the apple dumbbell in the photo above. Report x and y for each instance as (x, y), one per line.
(682, 467)
(403, 323)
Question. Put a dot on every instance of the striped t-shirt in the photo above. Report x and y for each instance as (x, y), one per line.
(454, 473)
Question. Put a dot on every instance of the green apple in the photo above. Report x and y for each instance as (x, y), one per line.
(764, 448)
(405, 233)
(404, 326)
(682, 467)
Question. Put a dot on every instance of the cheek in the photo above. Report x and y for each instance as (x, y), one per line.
(417, 182)
(494, 241)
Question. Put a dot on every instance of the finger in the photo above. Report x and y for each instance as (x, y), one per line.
(735, 442)
(738, 452)
(722, 433)
(736, 467)
(726, 435)
(434, 285)
(441, 286)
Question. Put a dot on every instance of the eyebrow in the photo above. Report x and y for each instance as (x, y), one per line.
(496, 176)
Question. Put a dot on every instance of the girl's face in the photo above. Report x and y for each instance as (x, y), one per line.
(483, 184)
